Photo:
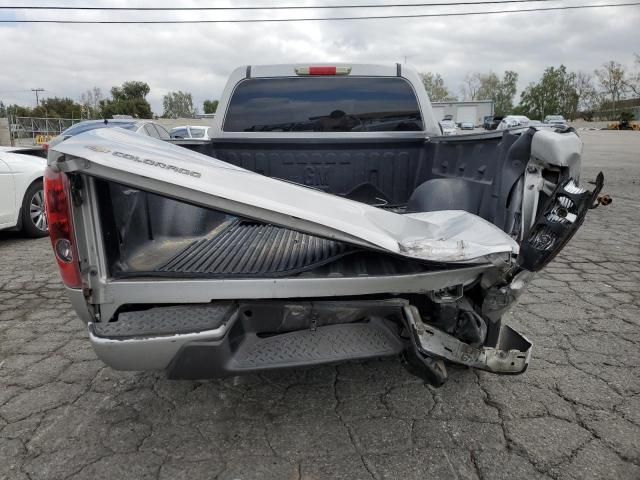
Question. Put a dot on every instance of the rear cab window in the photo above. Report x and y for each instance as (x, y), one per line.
(323, 104)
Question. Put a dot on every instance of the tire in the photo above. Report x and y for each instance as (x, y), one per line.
(34, 220)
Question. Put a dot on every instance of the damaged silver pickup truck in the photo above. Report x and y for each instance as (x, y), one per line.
(327, 220)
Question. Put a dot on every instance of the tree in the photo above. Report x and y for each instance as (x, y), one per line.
(3, 110)
(129, 99)
(178, 105)
(613, 82)
(633, 82)
(587, 94)
(54, 107)
(210, 106)
(489, 86)
(554, 94)
(507, 89)
(435, 87)
(471, 86)
(90, 101)
(500, 91)
(130, 90)
(19, 111)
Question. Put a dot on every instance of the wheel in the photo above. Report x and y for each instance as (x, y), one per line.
(34, 217)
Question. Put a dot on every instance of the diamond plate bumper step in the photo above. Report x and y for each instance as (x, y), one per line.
(166, 321)
(325, 344)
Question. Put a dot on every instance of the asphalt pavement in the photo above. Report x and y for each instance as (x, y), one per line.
(575, 414)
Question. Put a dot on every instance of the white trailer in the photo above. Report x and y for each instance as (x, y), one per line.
(473, 111)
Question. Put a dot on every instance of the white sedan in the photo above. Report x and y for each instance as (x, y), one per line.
(448, 127)
(21, 193)
(513, 121)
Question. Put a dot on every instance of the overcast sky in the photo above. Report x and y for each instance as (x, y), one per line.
(65, 60)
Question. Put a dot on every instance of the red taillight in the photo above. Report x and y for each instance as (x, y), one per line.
(58, 208)
(323, 70)
(45, 146)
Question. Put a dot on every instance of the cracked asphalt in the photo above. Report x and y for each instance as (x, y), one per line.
(575, 414)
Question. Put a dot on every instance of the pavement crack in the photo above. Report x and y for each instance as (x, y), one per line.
(476, 466)
(352, 437)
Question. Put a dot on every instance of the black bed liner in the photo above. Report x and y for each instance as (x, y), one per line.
(247, 248)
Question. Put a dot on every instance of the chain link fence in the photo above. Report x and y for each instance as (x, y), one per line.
(35, 130)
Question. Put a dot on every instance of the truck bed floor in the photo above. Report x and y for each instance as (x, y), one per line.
(247, 248)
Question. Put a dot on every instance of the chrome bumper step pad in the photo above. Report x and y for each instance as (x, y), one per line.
(166, 321)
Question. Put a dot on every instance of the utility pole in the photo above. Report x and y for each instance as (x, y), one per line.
(36, 90)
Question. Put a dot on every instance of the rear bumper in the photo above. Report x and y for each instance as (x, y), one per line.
(260, 336)
(150, 339)
(150, 353)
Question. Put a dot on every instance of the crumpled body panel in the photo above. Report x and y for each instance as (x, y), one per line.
(154, 165)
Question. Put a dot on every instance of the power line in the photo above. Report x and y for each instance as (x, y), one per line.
(368, 17)
(275, 7)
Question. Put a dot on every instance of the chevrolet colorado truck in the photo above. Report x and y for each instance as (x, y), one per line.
(328, 219)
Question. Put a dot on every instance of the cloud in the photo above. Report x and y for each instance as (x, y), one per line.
(66, 60)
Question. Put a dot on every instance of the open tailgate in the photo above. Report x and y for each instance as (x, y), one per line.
(159, 167)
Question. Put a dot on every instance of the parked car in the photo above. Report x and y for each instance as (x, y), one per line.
(190, 131)
(493, 123)
(556, 120)
(141, 127)
(298, 237)
(21, 191)
(513, 121)
(467, 126)
(448, 127)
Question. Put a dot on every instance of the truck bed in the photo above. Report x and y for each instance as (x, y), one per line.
(377, 171)
(151, 234)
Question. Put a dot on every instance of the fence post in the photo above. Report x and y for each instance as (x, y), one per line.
(10, 121)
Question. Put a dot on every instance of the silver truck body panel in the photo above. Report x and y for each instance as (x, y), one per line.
(153, 165)
(112, 294)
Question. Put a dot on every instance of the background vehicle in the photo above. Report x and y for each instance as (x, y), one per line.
(141, 127)
(21, 192)
(448, 127)
(493, 123)
(513, 121)
(558, 120)
(467, 126)
(190, 131)
(323, 228)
